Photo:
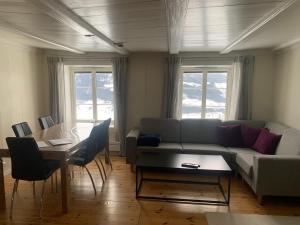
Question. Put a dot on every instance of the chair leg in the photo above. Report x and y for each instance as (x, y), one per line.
(109, 161)
(13, 197)
(91, 180)
(99, 170)
(102, 167)
(41, 199)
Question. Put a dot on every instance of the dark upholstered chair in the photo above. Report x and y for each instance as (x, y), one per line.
(92, 147)
(46, 122)
(28, 164)
(21, 129)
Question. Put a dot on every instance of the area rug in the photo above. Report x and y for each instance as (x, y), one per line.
(250, 219)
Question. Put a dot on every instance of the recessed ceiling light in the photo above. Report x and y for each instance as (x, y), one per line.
(120, 44)
(89, 35)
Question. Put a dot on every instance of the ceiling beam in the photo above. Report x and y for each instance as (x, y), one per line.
(287, 44)
(62, 13)
(258, 25)
(18, 30)
(176, 11)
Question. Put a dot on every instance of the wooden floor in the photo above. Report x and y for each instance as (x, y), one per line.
(115, 203)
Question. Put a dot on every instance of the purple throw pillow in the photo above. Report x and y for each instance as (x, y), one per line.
(249, 135)
(230, 136)
(266, 142)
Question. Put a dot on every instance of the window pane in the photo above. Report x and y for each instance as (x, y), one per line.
(192, 95)
(217, 80)
(215, 113)
(216, 95)
(105, 111)
(105, 105)
(83, 95)
(83, 79)
(192, 80)
(84, 112)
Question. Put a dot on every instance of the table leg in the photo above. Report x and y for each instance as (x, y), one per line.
(65, 184)
(2, 187)
(229, 189)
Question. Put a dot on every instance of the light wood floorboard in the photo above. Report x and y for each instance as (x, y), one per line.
(115, 203)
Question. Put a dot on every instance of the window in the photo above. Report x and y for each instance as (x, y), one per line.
(93, 94)
(205, 92)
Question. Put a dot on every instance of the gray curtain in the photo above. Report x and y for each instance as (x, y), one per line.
(57, 88)
(241, 97)
(120, 89)
(172, 87)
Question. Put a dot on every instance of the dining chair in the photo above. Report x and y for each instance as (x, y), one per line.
(46, 122)
(27, 164)
(86, 154)
(21, 129)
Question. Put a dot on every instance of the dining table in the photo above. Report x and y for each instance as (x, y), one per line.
(76, 133)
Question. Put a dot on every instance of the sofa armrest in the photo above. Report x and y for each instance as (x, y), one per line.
(276, 175)
(131, 145)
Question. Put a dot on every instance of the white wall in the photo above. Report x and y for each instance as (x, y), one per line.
(23, 87)
(145, 86)
(287, 87)
(263, 85)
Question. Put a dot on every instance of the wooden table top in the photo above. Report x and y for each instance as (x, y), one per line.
(76, 132)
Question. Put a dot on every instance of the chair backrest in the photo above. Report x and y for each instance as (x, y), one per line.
(91, 149)
(102, 134)
(96, 141)
(46, 122)
(21, 129)
(26, 159)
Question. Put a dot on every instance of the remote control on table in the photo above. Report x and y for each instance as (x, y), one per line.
(190, 165)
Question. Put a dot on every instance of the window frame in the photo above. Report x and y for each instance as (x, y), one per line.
(205, 70)
(93, 71)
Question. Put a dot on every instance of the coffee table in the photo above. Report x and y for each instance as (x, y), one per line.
(210, 165)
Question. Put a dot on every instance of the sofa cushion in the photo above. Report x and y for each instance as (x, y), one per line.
(202, 131)
(168, 129)
(235, 151)
(250, 123)
(290, 143)
(249, 135)
(245, 162)
(162, 147)
(266, 142)
(230, 136)
(206, 149)
(276, 128)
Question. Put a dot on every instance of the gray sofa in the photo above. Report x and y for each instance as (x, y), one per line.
(267, 175)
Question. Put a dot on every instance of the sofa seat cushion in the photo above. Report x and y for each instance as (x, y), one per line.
(235, 151)
(203, 147)
(245, 161)
(162, 147)
(206, 149)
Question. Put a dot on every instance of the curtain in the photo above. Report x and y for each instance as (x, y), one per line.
(241, 96)
(57, 88)
(120, 88)
(172, 87)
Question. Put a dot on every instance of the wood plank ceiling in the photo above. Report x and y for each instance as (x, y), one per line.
(150, 25)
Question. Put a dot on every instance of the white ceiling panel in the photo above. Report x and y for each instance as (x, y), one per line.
(280, 32)
(141, 25)
(218, 22)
